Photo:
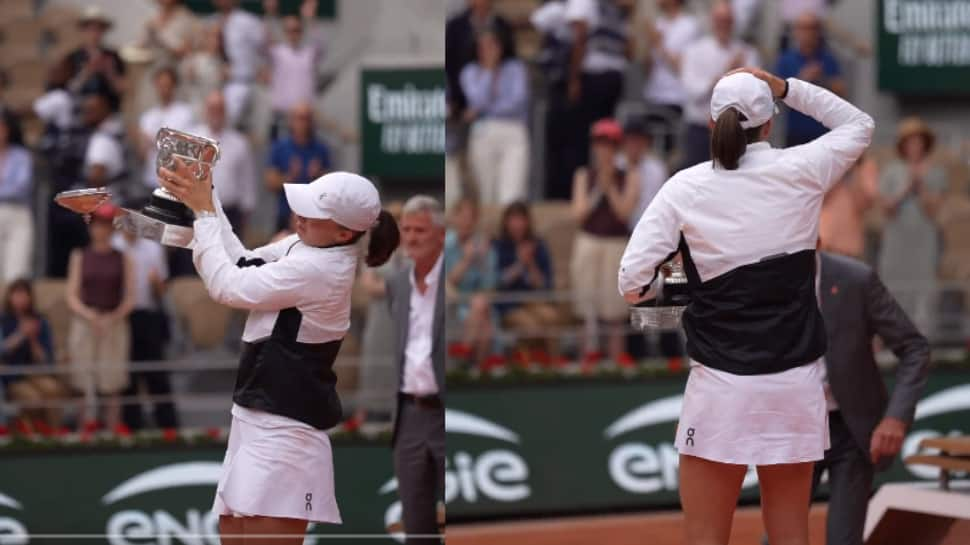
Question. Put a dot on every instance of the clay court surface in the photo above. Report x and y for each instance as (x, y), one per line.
(633, 529)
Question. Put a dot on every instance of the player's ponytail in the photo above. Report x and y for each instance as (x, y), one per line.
(384, 239)
(729, 139)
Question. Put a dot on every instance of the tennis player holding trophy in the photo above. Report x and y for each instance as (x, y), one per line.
(278, 470)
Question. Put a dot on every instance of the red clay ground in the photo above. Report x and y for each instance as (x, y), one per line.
(636, 529)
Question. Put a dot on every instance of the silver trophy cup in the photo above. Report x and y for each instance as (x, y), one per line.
(664, 311)
(166, 219)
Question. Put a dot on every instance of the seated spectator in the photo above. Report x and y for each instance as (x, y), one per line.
(234, 176)
(524, 265)
(811, 61)
(100, 293)
(704, 62)
(638, 155)
(293, 70)
(604, 198)
(104, 158)
(910, 193)
(496, 88)
(169, 112)
(95, 67)
(16, 191)
(25, 339)
(842, 224)
(470, 264)
(149, 329)
(299, 157)
(206, 68)
(668, 36)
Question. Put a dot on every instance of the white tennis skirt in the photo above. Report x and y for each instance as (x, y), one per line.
(779, 418)
(276, 467)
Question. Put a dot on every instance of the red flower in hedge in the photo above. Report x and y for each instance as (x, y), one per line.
(122, 430)
(675, 364)
(43, 428)
(170, 434)
(214, 433)
(4, 430)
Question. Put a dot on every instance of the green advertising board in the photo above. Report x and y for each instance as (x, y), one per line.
(513, 451)
(924, 46)
(402, 119)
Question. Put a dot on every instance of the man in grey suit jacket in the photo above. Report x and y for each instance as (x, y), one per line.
(866, 424)
(417, 300)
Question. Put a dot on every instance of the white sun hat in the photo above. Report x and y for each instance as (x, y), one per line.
(344, 197)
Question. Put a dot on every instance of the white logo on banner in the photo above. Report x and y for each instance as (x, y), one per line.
(956, 398)
(12, 531)
(496, 474)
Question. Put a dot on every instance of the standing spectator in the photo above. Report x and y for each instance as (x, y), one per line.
(842, 223)
(293, 70)
(169, 112)
(911, 189)
(16, 190)
(377, 369)
(810, 61)
(496, 89)
(792, 10)
(594, 83)
(705, 61)
(470, 268)
(56, 106)
(460, 42)
(104, 158)
(100, 293)
(96, 68)
(25, 339)
(168, 35)
(207, 67)
(297, 158)
(234, 176)
(149, 329)
(667, 37)
(524, 265)
(244, 39)
(639, 157)
(604, 197)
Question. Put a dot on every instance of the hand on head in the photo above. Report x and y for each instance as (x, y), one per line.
(776, 84)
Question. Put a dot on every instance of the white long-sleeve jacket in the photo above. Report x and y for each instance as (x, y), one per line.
(748, 237)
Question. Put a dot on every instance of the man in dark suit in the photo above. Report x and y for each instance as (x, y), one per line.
(866, 425)
(417, 300)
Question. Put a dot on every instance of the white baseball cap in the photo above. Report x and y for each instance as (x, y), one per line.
(747, 94)
(346, 198)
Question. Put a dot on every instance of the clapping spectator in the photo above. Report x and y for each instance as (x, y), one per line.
(233, 176)
(96, 68)
(703, 64)
(168, 35)
(496, 88)
(100, 293)
(524, 265)
(810, 61)
(16, 190)
(245, 40)
(25, 339)
(170, 113)
(638, 155)
(668, 36)
(149, 328)
(461, 34)
(293, 69)
(299, 157)
(470, 265)
(604, 198)
(911, 189)
(206, 68)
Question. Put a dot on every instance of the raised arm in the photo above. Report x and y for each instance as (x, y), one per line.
(654, 241)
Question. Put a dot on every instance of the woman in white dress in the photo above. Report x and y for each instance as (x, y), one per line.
(278, 471)
(746, 225)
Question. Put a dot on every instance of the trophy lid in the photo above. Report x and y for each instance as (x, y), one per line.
(83, 201)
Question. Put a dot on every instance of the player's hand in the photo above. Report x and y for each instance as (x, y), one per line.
(194, 192)
(887, 438)
(776, 84)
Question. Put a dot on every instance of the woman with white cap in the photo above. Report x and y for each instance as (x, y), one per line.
(746, 225)
(278, 471)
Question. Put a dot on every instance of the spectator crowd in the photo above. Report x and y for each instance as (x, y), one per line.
(572, 114)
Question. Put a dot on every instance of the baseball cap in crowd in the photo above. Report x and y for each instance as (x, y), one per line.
(608, 129)
(105, 212)
(346, 198)
(747, 94)
(636, 125)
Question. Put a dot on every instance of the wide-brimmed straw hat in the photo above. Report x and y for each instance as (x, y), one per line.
(914, 126)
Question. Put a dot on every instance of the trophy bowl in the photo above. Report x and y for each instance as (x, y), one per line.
(166, 219)
(664, 311)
